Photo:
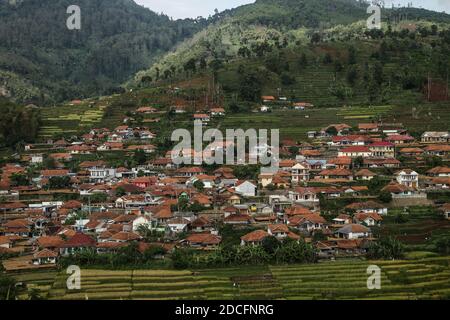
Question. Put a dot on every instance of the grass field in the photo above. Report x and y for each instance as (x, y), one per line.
(428, 277)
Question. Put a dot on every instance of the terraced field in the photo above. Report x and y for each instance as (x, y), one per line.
(296, 124)
(69, 119)
(427, 278)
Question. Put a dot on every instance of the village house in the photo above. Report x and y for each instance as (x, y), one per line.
(367, 207)
(408, 178)
(355, 152)
(435, 137)
(446, 211)
(307, 223)
(411, 152)
(238, 219)
(368, 219)
(442, 150)
(340, 163)
(45, 257)
(304, 195)
(246, 189)
(368, 127)
(439, 183)
(203, 117)
(353, 231)
(147, 148)
(265, 179)
(201, 224)
(342, 219)
(281, 231)
(101, 174)
(350, 140)
(254, 238)
(390, 129)
(382, 149)
(365, 175)
(189, 172)
(399, 139)
(18, 227)
(300, 172)
(302, 105)
(439, 172)
(399, 190)
(203, 240)
(335, 174)
(268, 99)
(217, 112)
(381, 163)
(146, 110)
(178, 224)
(78, 243)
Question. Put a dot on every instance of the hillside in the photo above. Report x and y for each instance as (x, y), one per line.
(302, 47)
(41, 61)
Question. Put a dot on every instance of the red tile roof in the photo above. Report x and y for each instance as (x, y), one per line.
(79, 240)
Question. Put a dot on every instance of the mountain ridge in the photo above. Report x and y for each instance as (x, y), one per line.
(117, 39)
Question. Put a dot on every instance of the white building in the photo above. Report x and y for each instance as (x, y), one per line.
(246, 189)
(408, 178)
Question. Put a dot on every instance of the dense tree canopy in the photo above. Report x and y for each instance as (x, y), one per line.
(18, 124)
(117, 39)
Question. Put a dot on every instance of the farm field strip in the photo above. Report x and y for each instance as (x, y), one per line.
(427, 278)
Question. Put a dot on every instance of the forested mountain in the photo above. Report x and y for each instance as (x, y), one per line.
(320, 50)
(42, 61)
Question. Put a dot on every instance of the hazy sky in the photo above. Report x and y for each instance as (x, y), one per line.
(195, 8)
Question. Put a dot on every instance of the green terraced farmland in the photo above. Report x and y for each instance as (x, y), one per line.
(426, 278)
(296, 124)
(69, 119)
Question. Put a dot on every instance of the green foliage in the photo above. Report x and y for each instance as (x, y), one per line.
(120, 192)
(295, 252)
(182, 258)
(442, 244)
(140, 157)
(246, 172)
(99, 198)
(376, 184)
(199, 185)
(271, 244)
(75, 217)
(401, 218)
(385, 197)
(250, 85)
(386, 248)
(128, 256)
(7, 288)
(18, 179)
(272, 251)
(59, 182)
(117, 39)
(149, 234)
(18, 124)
